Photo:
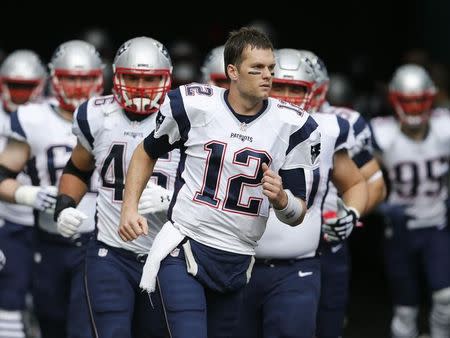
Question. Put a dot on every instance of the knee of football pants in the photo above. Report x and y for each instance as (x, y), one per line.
(404, 322)
(11, 324)
(440, 312)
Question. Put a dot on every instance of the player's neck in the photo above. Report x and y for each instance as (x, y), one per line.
(242, 104)
(416, 134)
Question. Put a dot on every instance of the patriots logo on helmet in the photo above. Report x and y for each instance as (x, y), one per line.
(315, 151)
(162, 49)
(123, 48)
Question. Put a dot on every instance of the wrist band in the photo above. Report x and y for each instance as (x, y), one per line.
(376, 175)
(292, 212)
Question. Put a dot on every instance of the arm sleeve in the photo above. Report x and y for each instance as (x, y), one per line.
(81, 127)
(172, 127)
(303, 150)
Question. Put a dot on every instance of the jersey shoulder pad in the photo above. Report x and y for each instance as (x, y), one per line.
(440, 122)
(384, 131)
(288, 113)
(197, 101)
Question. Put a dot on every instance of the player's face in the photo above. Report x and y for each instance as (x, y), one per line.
(255, 73)
(292, 93)
(21, 91)
(138, 83)
(78, 86)
(415, 105)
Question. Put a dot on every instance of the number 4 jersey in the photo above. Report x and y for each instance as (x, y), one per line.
(111, 137)
(418, 170)
(218, 199)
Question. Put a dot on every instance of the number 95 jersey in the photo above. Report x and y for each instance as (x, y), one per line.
(111, 137)
(218, 199)
(418, 170)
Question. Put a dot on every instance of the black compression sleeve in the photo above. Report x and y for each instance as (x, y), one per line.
(63, 202)
(70, 168)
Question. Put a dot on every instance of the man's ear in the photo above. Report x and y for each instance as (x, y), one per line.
(232, 72)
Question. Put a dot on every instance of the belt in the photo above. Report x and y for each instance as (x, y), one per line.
(141, 258)
(279, 261)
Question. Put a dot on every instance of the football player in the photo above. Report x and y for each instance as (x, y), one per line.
(41, 136)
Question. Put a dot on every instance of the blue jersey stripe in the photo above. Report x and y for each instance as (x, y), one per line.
(83, 123)
(302, 134)
(179, 113)
(294, 180)
(374, 141)
(16, 126)
(314, 188)
(344, 129)
(359, 125)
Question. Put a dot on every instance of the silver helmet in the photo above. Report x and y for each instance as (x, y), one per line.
(22, 78)
(293, 69)
(213, 69)
(76, 72)
(322, 80)
(411, 92)
(142, 57)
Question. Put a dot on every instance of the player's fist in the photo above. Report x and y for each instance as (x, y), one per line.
(69, 221)
(339, 228)
(154, 199)
(273, 187)
(132, 225)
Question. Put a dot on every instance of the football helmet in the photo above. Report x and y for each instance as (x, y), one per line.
(142, 56)
(76, 72)
(293, 68)
(22, 78)
(411, 93)
(322, 80)
(213, 69)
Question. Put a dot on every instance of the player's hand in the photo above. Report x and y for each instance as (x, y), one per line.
(69, 221)
(132, 225)
(273, 188)
(40, 198)
(339, 228)
(154, 198)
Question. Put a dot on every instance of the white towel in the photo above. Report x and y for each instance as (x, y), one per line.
(165, 241)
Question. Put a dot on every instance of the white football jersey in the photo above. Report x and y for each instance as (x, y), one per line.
(361, 152)
(104, 130)
(51, 141)
(285, 242)
(16, 213)
(218, 199)
(418, 170)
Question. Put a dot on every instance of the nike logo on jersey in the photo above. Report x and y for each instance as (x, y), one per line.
(304, 274)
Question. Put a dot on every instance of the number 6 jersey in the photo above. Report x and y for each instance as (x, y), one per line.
(218, 199)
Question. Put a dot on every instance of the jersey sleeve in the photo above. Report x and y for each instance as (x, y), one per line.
(346, 136)
(304, 147)
(172, 126)
(17, 129)
(81, 128)
(85, 124)
(362, 152)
